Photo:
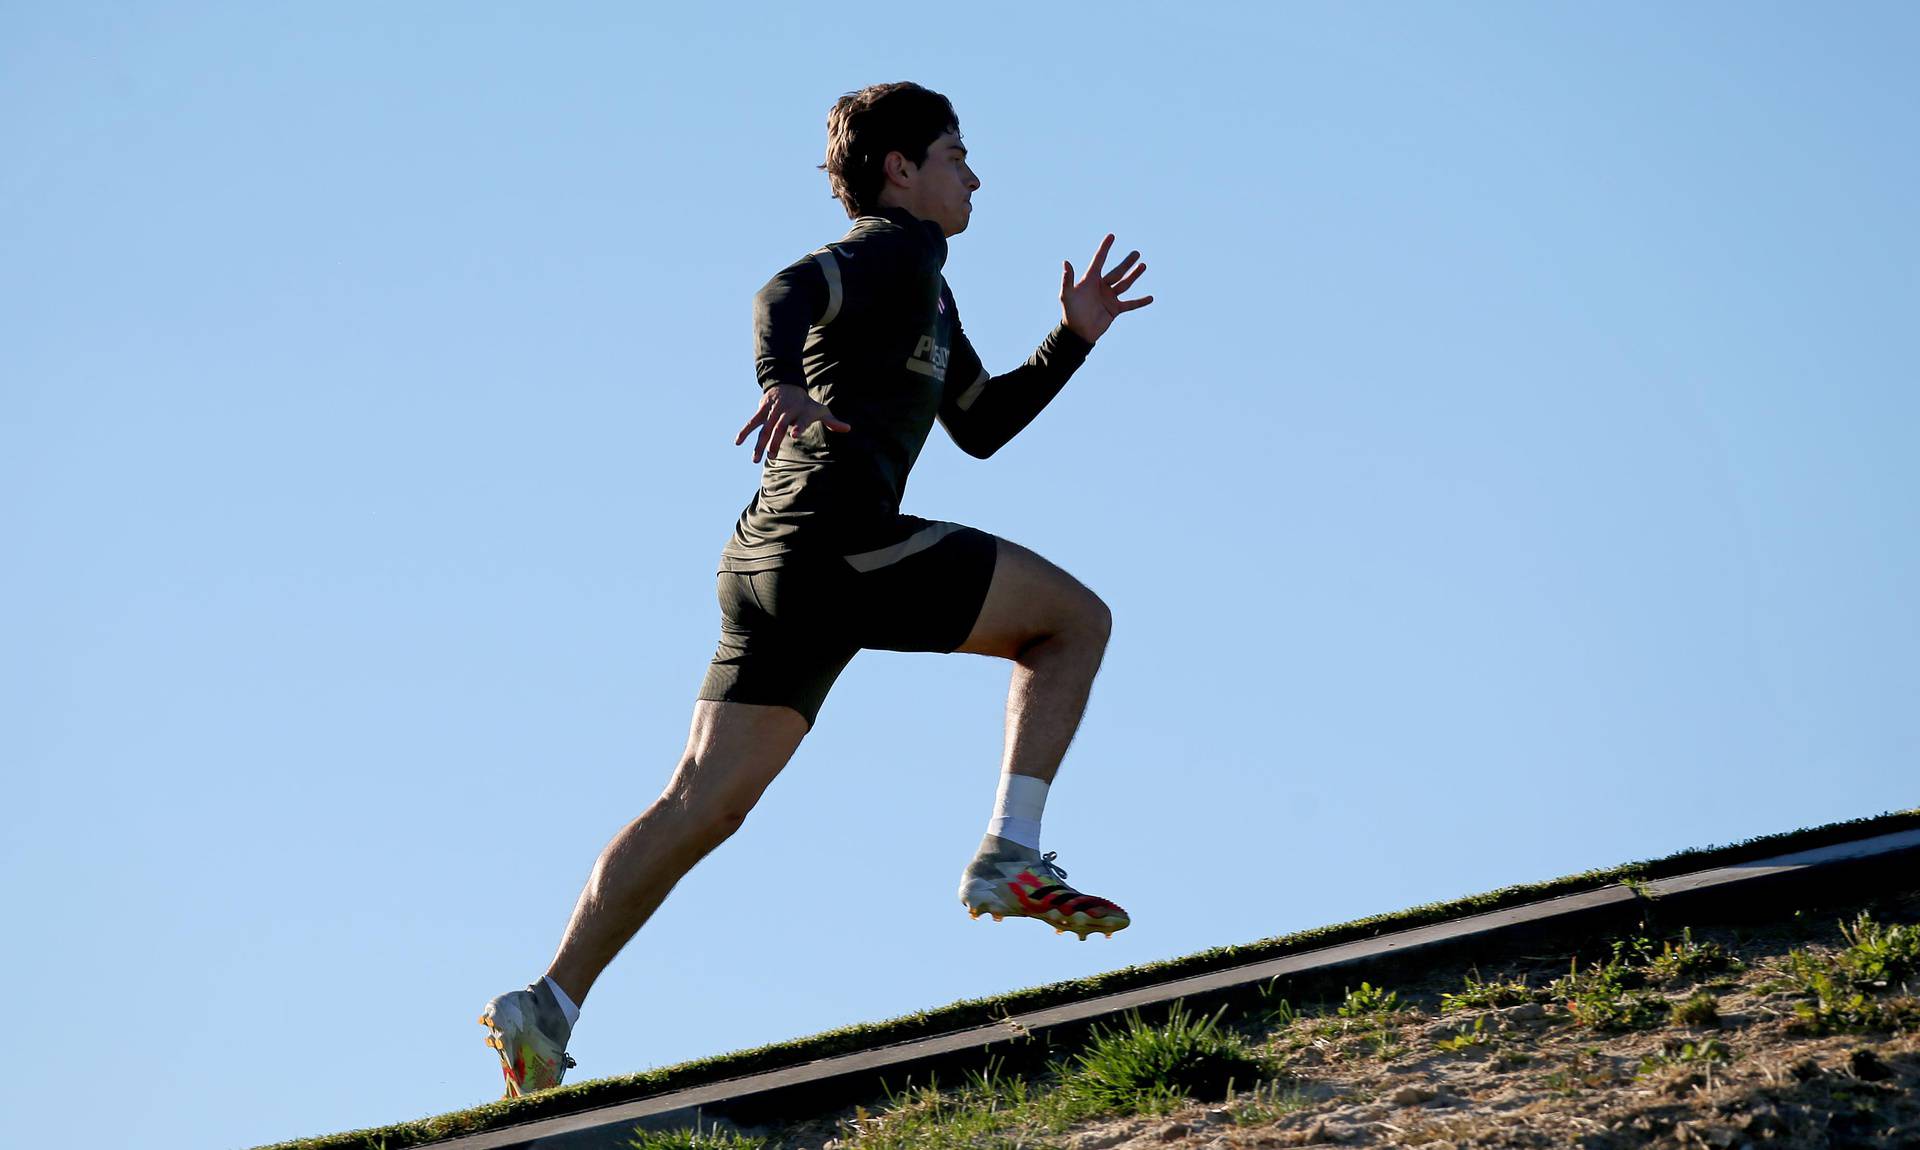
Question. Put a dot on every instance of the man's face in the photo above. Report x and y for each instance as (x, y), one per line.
(942, 187)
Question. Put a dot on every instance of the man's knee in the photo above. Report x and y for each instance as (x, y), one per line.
(1080, 620)
(710, 805)
(718, 824)
(706, 820)
(1033, 604)
(1099, 618)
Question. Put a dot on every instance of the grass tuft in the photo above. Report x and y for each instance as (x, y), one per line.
(1141, 1068)
(1132, 1069)
(693, 1140)
(983, 1112)
(1267, 1102)
(1702, 1008)
(1276, 1011)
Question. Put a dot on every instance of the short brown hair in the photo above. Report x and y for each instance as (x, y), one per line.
(866, 125)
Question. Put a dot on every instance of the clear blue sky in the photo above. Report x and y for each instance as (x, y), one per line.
(1515, 476)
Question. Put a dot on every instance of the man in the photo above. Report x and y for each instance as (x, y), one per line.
(859, 349)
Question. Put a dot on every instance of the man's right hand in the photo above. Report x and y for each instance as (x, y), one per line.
(785, 409)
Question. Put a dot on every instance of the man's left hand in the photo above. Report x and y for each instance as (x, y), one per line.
(1089, 306)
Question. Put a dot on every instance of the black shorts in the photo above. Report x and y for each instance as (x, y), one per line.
(786, 633)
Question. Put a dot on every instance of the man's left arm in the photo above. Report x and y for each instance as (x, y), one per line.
(982, 411)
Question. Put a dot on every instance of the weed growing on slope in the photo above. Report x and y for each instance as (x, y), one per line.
(1368, 1002)
(1372, 1012)
(1687, 1053)
(1842, 989)
(1615, 995)
(1480, 994)
(1879, 953)
(1478, 1036)
(1604, 996)
(1586, 1069)
(1688, 959)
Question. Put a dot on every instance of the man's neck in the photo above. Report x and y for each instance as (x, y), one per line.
(898, 212)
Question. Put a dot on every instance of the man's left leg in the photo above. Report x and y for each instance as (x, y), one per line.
(1055, 631)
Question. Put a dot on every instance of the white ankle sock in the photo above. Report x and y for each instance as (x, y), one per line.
(567, 1007)
(1016, 810)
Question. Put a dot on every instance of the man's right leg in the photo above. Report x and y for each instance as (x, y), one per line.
(733, 752)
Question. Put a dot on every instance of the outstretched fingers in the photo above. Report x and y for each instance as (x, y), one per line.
(759, 417)
(1113, 277)
(770, 437)
(1094, 270)
(778, 423)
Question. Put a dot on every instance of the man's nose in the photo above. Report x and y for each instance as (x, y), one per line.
(973, 181)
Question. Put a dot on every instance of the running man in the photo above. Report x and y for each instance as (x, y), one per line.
(858, 348)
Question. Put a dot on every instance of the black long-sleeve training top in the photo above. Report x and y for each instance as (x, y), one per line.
(868, 326)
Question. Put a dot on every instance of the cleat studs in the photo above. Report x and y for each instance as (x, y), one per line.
(998, 917)
(973, 914)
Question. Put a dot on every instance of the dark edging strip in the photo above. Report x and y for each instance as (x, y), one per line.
(1755, 886)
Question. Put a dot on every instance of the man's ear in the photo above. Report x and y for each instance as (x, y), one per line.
(899, 170)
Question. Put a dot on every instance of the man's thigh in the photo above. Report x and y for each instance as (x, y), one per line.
(1031, 599)
(923, 594)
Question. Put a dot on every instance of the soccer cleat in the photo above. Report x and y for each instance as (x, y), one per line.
(1007, 882)
(528, 1031)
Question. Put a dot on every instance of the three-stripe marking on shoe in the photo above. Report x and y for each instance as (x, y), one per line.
(1056, 897)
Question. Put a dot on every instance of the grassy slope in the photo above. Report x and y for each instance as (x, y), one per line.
(977, 1012)
(1803, 1032)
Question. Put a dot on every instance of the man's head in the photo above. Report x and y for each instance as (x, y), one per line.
(898, 145)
